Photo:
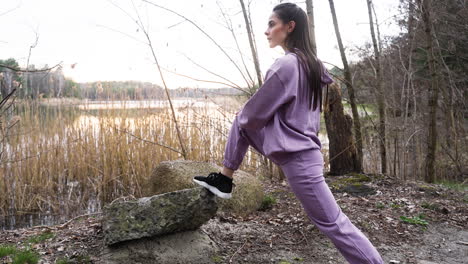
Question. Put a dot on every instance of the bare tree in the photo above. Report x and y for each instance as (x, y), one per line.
(310, 15)
(425, 6)
(248, 26)
(380, 94)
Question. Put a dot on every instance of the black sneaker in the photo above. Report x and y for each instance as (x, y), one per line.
(217, 183)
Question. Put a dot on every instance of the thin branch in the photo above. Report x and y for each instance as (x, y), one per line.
(11, 10)
(215, 74)
(123, 33)
(204, 32)
(200, 80)
(20, 70)
(148, 141)
(228, 22)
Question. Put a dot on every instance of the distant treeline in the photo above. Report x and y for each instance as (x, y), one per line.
(41, 83)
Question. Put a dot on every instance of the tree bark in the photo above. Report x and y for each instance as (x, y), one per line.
(310, 14)
(433, 93)
(380, 94)
(350, 86)
(343, 154)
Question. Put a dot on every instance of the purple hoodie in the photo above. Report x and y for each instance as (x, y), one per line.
(280, 107)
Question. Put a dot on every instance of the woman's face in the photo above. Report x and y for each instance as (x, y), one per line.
(277, 31)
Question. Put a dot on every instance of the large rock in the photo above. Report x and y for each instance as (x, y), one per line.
(175, 175)
(353, 183)
(157, 215)
(183, 247)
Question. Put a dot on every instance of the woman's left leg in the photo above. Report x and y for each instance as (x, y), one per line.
(305, 176)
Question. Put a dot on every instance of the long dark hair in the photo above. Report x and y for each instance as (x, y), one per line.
(298, 42)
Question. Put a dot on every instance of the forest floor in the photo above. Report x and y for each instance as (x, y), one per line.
(412, 222)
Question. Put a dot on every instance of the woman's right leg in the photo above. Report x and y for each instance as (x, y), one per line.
(238, 143)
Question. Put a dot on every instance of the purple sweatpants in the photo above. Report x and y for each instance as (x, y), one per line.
(304, 172)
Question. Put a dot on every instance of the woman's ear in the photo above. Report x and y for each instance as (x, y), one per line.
(291, 26)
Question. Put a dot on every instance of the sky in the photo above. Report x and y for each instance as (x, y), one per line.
(100, 40)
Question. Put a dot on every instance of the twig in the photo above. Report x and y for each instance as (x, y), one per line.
(239, 249)
(64, 224)
(76, 217)
(148, 141)
(307, 241)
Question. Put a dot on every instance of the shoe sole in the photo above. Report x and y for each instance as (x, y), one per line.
(213, 190)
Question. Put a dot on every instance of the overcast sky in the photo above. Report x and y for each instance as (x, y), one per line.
(101, 38)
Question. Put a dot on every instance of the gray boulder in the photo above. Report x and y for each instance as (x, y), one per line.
(157, 215)
(175, 175)
(184, 247)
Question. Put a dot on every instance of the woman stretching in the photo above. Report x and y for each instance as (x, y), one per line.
(281, 121)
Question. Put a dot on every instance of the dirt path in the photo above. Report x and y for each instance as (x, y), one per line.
(283, 234)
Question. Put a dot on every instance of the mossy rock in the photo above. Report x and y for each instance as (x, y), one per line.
(358, 177)
(349, 179)
(175, 175)
(358, 189)
(353, 183)
(428, 189)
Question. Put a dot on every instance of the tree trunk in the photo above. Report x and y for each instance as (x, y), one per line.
(433, 93)
(310, 14)
(343, 154)
(352, 98)
(252, 46)
(380, 95)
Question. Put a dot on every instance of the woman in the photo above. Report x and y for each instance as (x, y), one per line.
(281, 121)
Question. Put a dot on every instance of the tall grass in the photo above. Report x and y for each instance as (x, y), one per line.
(65, 161)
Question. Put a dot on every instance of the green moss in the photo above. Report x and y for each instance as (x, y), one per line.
(18, 256)
(41, 237)
(267, 202)
(25, 257)
(415, 220)
(454, 185)
(358, 177)
(355, 179)
(6, 250)
(217, 259)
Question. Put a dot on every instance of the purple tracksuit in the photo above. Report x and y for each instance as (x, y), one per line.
(278, 123)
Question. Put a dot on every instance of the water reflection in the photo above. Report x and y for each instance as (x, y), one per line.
(145, 104)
